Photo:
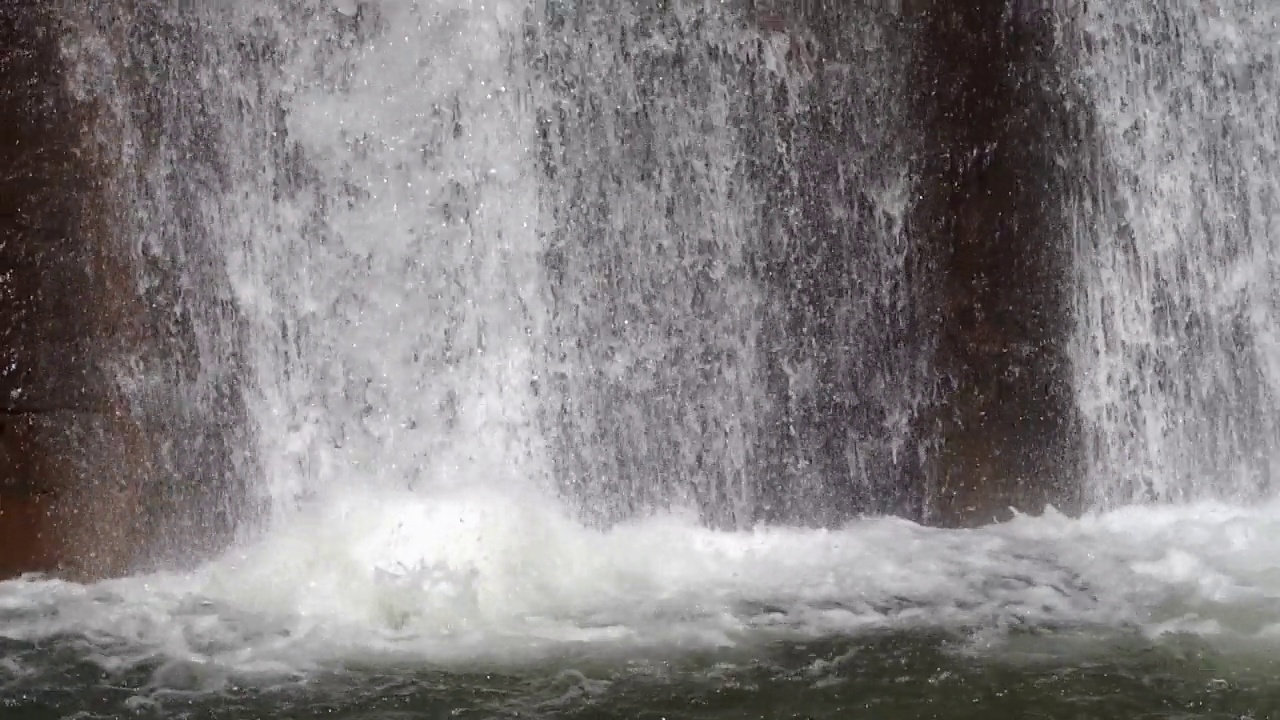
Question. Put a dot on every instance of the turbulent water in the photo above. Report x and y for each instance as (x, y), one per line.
(511, 301)
(483, 603)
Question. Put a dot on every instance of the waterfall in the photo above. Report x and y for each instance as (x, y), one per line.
(637, 257)
(725, 219)
(644, 257)
(1176, 358)
(389, 272)
(162, 99)
(655, 369)
(530, 357)
(334, 205)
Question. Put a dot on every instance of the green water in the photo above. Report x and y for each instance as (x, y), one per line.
(1040, 674)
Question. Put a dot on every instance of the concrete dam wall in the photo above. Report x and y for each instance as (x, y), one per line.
(123, 446)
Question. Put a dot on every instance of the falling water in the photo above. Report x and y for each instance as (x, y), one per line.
(156, 80)
(642, 257)
(389, 268)
(359, 179)
(1177, 370)
(656, 367)
(647, 256)
(726, 258)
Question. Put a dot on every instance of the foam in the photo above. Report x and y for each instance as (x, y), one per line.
(480, 576)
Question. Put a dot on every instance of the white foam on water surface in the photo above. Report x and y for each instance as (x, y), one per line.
(485, 576)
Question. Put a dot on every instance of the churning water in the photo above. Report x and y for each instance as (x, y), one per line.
(485, 603)
(513, 296)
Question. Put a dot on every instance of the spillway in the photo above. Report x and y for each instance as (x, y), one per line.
(685, 358)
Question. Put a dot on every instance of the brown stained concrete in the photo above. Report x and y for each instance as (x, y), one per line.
(71, 457)
(992, 210)
(25, 533)
(988, 135)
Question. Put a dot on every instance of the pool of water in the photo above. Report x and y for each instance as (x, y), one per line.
(481, 604)
(904, 674)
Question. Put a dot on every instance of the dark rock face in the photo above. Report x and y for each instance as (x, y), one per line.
(994, 188)
(71, 458)
(94, 480)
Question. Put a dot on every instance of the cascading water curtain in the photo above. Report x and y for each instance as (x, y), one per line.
(341, 199)
(656, 253)
(384, 248)
(1177, 361)
(725, 209)
(654, 376)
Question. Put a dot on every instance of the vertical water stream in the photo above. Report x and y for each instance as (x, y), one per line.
(724, 208)
(640, 256)
(1177, 369)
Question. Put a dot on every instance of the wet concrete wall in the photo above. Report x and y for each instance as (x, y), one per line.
(119, 403)
(82, 467)
(903, 271)
(967, 303)
(994, 183)
(120, 410)
(979, 288)
(70, 455)
(732, 325)
(845, 346)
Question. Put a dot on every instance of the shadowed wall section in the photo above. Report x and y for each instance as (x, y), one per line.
(105, 464)
(993, 189)
(69, 454)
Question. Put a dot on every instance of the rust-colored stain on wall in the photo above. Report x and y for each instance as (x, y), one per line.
(26, 534)
(64, 500)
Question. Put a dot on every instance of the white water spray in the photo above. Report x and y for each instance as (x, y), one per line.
(384, 247)
(1178, 366)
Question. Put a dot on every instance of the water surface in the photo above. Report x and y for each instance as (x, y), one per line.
(482, 604)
